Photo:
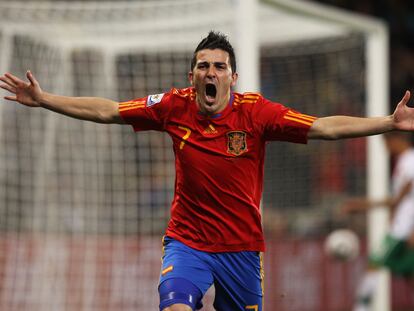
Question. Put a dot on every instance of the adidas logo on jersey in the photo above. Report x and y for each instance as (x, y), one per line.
(210, 130)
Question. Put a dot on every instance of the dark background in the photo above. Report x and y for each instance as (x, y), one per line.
(399, 14)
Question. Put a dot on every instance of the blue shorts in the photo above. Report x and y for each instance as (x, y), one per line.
(187, 274)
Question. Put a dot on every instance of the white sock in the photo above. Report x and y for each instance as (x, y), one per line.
(365, 290)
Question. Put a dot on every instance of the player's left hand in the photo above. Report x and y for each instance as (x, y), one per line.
(403, 116)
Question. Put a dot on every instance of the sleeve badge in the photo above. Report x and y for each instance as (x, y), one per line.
(154, 99)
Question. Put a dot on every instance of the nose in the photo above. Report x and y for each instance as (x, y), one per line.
(211, 72)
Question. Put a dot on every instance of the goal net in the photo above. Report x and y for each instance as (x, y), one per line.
(83, 206)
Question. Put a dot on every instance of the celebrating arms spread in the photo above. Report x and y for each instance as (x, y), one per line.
(103, 110)
(30, 94)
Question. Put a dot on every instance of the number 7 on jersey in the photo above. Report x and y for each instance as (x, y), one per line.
(185, 136)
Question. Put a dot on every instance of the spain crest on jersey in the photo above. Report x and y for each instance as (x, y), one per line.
(236, 142)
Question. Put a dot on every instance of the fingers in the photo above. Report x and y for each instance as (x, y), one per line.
(404, 101)
(9, 88)
(7, 81)
(31, 78)
(13, 98)
(14, 79)
(407, 96)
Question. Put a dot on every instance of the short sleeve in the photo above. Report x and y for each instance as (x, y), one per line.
(147, 113)
(277, 122)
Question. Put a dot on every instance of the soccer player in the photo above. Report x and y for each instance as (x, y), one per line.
(397, 251)
(214, 235)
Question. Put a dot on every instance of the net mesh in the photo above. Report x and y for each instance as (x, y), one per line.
(305, 185)
(83, 206)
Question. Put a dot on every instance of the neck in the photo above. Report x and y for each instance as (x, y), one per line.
(222, 104)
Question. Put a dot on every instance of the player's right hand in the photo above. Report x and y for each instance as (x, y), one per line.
(26, 93)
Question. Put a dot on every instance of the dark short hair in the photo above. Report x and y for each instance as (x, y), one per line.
(215, 40)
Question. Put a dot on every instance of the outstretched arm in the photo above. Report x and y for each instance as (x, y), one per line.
(362, 204)
(30, 94)
(337, 127)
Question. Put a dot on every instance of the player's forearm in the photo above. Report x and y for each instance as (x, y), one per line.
(337, 127)
(94, 109)
(399, 197)
(388, 202)
(363, 204)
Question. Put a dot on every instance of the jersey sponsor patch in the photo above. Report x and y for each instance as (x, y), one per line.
(154, 99)
(236, 143)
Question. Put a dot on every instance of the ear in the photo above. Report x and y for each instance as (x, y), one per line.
(190, 77)
(234, 77)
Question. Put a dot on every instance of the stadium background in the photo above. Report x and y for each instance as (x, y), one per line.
(83, 207)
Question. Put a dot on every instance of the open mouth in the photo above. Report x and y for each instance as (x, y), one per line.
(211, 92)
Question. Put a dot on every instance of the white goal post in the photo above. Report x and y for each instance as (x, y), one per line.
(377, 97)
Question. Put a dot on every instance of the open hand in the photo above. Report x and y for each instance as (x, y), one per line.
(403, 115)
(26, 93)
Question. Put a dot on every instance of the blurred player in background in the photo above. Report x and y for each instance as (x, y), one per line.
(397, 251)
(215, 234)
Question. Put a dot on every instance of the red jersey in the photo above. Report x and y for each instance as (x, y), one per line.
(219, 163)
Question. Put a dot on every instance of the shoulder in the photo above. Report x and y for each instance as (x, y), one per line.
(255, 103)
(172, 99)
(247, 99)
(186, 93)
(248, 102)
(181, 100)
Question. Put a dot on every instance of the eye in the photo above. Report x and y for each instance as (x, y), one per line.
(221, 66)
(202, 66)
